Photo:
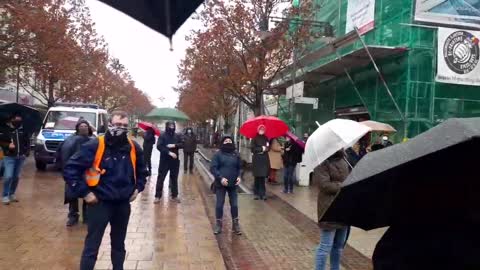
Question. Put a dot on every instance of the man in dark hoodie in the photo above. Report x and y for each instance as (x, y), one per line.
(83, 134)
(168, 144)
(189, 148)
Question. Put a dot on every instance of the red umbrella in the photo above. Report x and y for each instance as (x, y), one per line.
(146, 125)
(274, 127)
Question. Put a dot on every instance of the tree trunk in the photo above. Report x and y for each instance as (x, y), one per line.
(51, 92)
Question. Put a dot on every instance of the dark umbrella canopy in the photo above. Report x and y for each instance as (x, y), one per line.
(429, 179)
(164, 16)
(32, 119)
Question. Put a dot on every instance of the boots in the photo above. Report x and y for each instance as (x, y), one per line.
(236, 227)
(218, 227)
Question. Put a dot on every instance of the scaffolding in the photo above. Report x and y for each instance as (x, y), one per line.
(402, 92)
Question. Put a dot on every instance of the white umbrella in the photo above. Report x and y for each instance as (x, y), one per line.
(329, 138)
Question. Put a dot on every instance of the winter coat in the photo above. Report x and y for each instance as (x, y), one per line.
(329, 175)
(292, 154)
(189, 143)
(225, 165)
(260, 160)
(166, 139)
(149, 139)
(275, 155)
(20, 139)
(118, 182)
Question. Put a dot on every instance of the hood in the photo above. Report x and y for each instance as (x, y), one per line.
(186, 130)
(90, 129)
(168, 130)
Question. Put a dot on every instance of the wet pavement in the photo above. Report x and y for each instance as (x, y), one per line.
(164, 236)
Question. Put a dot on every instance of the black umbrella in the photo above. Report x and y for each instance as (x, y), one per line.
(164, 16)
(32, 119)
(431, 179)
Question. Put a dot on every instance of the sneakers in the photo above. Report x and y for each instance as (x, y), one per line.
(6, 200)
(157, 200)
(13, 198)
(72, 221)
(218, 227)
(236, 227)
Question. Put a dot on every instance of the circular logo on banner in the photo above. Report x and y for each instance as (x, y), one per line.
(461, 52)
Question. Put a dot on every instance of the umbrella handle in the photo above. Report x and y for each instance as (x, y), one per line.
(349, 165)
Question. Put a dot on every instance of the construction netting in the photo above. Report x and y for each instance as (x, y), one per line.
(410, 76)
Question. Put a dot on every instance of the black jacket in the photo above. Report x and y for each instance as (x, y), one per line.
(189, 142)
(20, 139)
(149, 139)
(260, 159)
(118, 182)
(166, 139)
(70, 146)
(292, 155)
(225, 165)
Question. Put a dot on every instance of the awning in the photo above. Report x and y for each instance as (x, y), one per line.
(353, 60)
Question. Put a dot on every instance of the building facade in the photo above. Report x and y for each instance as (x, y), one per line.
(404, 92)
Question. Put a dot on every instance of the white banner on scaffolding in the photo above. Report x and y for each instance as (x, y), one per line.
(458, 56)
(360, 14)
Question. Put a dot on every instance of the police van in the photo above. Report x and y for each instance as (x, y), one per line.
(59, 124)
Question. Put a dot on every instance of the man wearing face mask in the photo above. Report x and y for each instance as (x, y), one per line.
(15, 143)
(83, 134)
(189, 148)
(168, 144)
(108, 172)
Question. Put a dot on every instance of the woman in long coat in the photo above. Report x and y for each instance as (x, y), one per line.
(276, 163)
(330, 175)
(261, 164)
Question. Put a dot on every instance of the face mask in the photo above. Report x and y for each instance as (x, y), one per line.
(261, 132)
(17, 123)
(189, 132)
(117, 131)
(227, 147)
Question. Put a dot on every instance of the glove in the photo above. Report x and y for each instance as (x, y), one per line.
(134, 195)
(173, 155)
(91, 198)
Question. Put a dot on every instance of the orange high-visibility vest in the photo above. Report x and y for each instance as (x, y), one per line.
(95, 172)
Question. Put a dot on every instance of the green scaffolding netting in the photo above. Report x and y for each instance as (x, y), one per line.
(410, 76)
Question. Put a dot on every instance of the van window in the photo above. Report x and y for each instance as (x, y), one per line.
(102, 124)
(67, 120)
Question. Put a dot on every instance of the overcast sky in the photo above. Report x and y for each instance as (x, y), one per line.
(144, 52)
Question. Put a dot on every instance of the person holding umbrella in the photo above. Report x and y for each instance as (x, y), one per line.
(261, 163)
(330, 175)
(15, 143)
(225, 168)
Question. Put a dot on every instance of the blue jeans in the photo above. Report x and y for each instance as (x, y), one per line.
(288, 178)
(232, 195)
(12, 168)
(332, 243)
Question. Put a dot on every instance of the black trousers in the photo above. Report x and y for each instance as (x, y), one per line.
(99, 216)
(73, 209)
(147, 154)
(259, 187)
(186, 158)
(166, 166)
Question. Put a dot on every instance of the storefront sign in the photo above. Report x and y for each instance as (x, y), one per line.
(458, 56)
(463, 13)
(360, 14)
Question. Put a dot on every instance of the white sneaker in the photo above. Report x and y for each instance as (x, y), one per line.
(177, 200)
(157, 200)
(6, 200)
(13, 198)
